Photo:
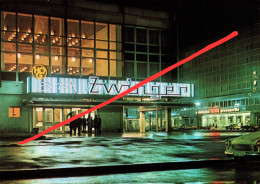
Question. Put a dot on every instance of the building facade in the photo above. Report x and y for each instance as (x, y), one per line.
(91, 51)
(226, 79)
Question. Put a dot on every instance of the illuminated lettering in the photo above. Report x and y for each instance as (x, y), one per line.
(95, 85)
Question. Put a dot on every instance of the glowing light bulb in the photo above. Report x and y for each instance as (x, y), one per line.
(73, 59)
(19, 55)
(37, 56)
(56, 58)
(90, 60)
(52, 33)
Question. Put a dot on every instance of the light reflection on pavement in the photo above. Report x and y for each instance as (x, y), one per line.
(113, 149)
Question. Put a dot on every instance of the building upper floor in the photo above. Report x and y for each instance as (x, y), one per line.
(84, 38)
(229, 69)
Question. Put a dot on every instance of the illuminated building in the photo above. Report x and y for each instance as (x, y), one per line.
(226, 80)
(76, 41)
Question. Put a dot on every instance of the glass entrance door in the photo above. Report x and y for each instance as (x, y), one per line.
(46, 117)
(38, 118)
(155, 120)
(57, 118)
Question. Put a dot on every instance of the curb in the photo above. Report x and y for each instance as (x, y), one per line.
(115, 169)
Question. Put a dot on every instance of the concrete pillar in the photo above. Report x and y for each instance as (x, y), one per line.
(166, 120)
(235, 119)
(157, 122)
(142, 122)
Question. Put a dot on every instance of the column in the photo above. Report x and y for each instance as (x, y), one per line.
(157, 122)
(142, 122)
(166, 120)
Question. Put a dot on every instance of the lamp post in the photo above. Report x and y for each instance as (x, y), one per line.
(197, 113)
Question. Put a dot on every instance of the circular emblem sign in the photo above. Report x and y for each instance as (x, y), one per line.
(39, 71)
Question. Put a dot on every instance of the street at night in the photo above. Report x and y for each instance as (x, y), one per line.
(129, 148)
(129, 91)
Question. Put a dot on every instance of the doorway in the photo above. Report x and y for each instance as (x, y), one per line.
(46, 117)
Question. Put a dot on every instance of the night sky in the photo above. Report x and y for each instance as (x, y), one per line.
(201, 20)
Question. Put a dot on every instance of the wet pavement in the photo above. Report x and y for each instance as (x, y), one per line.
(113, 149)
(128, 148)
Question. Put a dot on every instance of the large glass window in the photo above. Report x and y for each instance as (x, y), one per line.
(147, 48)
(83, 48)
(48, 114)
(58, 61)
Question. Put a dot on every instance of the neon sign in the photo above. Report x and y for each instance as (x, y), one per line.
(97, 86)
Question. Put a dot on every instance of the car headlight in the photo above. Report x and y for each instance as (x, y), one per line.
(227, 142)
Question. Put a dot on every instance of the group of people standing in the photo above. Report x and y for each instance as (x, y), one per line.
(84, 123)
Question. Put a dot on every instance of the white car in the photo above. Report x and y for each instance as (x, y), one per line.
(244, 146)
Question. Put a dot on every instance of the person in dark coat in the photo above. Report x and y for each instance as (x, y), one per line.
(96, 124)
(84, 123)
(89, 122)
(79, 123)
(71, 123)
(99, 125)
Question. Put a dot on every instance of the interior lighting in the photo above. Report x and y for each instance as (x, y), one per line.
(29, 30)
(19, 55)
(56, 58)
(83, 36)
(52, 33)
(73, 35)
(5, 28)
(90, 60)
(197, 104)
(73, 59)
(37, 56)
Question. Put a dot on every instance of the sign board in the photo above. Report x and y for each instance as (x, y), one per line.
(97, 86)
(217, 110)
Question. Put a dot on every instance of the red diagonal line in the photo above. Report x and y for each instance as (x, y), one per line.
(149, 79)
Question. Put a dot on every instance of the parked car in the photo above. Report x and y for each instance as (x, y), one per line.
(244, 146)
(188, 127)
(232, 127)
(249, 127)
